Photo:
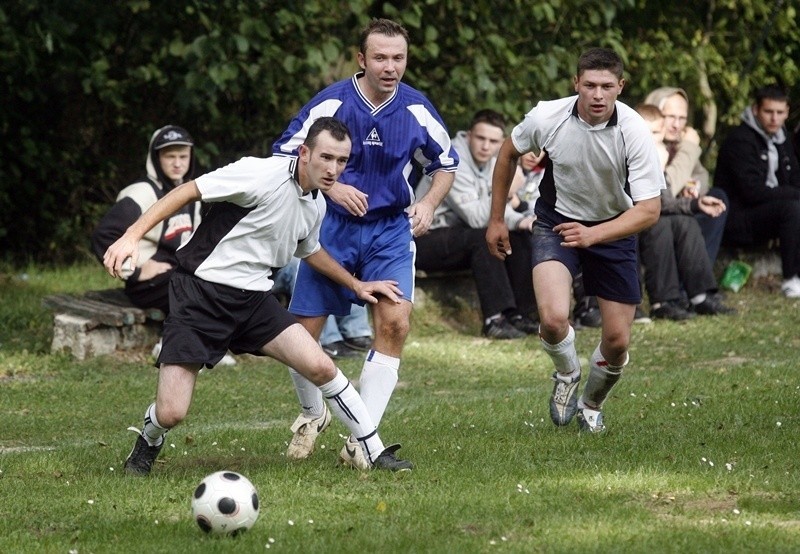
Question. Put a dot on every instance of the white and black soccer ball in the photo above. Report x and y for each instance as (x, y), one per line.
(225, 503)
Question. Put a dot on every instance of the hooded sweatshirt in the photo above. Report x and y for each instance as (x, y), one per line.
(754, 167)
(161, 242)
(469, 202)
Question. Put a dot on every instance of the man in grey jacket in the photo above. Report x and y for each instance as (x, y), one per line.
(456, 239)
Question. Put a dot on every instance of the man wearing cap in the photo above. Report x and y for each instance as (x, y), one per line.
(170, 161)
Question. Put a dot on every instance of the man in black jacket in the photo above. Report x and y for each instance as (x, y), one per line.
(758, 168)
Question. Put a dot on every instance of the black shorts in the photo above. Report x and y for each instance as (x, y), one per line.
(610, 270)
(207, 319)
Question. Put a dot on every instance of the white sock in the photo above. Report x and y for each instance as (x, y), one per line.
(602, 378)
(152, 432)
(564, 356)
(348, 406)
(309, 395)
(377, 382)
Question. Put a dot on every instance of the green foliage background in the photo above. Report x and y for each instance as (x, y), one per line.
(84, 83)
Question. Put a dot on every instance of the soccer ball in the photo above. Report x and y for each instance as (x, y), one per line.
(225, 503)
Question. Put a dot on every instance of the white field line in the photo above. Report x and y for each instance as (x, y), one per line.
(234, 426)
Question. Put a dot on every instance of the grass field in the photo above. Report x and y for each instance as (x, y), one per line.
(701, 454)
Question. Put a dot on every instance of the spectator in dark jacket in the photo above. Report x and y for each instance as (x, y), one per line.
(758, 168)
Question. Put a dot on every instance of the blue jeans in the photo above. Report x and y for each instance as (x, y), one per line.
(355, 324)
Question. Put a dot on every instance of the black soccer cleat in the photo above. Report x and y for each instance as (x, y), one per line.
(387, 460)
(140, 460)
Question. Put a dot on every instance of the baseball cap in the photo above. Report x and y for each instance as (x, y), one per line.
(172, 135)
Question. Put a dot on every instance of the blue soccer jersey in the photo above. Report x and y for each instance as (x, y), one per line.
(392, 143)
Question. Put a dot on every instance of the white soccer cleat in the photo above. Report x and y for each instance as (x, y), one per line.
(591, 421)
(306, 430)
(353, 455)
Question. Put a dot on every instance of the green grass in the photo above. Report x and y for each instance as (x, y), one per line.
(701, 455)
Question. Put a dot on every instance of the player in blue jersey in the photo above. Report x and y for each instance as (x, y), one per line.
(602, 185)
(372, 215)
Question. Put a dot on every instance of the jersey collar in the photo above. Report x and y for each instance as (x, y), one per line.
(610, 123)
(372, 108)
(294, 169)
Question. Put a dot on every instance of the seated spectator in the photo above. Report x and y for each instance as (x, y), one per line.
(457, 236)
(758, 168)
(672, 252)
(342, 337)
(169, 162)
(685, 175)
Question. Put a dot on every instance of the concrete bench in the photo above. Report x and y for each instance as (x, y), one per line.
(100, 322)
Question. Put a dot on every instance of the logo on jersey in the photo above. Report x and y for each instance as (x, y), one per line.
(179, 225)
(373, 138)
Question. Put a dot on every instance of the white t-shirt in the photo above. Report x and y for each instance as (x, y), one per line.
(259, 218)
(594, 173)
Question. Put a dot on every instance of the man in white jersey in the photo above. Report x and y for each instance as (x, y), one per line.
(263, 212)
(601, 186)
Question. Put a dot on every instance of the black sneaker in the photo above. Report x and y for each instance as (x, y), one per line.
(524, 323)
(713, 305)
(640, 316)
(387, 460)
(501, 329)
(339, 349)
(362, 344)
(140, 460)
(587, 313)
(671, 310)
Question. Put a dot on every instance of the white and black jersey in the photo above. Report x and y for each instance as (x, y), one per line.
(258, 219)
(614, 163)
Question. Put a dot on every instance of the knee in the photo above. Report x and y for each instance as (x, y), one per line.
(320, 370)
(170, 414)
(553, 327)
(394, 329)
(615, 345)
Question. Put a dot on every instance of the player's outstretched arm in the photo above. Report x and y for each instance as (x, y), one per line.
(322, 262)
(504, 170)
(127, 246)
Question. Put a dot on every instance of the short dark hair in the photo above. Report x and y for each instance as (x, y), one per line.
(490, 117)
(382, 27)
(771, 92)
(600, 59)
(336, 128)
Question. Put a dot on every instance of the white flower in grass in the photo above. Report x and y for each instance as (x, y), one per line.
(748, 522)
(729, 466)
(290, 522)
(172, 445)
(736, 511)
(90, 501)
(778, 423)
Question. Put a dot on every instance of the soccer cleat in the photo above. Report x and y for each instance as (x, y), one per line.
(564, 400)
(591, 421)
(306, 429)
(387, 460)
(140, 460)
(353, 455)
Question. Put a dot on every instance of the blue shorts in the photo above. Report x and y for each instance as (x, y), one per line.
(610, 270)
(371, 250)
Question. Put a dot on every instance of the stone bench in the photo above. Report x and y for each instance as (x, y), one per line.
(100, 322)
